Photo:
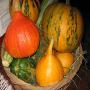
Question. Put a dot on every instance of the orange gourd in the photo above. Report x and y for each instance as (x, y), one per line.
(49, 70)
(22, 37)
(66, 59)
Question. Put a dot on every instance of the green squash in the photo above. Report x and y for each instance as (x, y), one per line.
(24, 69)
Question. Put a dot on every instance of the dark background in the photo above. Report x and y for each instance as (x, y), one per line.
(84, 7)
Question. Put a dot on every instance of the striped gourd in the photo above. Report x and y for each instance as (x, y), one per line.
(65, 24)
(29, 8)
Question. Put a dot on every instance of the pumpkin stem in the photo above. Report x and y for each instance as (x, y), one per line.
(49, 51)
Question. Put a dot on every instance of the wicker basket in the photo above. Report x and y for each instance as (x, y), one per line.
(21, 85)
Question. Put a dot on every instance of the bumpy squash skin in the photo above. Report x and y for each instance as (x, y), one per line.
(65, 24)
(28, 7)
(24, 69)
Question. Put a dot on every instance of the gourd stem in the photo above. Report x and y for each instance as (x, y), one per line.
(49, 51)
(67, 2)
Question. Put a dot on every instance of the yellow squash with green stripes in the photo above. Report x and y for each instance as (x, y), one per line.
(29, 8)
(65, 24)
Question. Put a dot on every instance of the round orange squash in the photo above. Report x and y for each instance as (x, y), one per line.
(22, 37)
(65, 24)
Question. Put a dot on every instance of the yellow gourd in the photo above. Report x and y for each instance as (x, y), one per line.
(65, 24)
(29, 8)
(49, 69)
(66, 60)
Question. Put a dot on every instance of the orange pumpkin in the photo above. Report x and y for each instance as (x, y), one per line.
(22, 37)
(49, 70)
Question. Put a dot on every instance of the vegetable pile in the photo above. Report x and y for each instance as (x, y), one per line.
(41, 39)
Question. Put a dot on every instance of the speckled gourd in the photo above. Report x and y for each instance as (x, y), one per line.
(65, 24)
(29, 8)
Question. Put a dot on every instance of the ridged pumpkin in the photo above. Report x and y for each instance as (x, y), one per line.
(29, 8)
(65, 24)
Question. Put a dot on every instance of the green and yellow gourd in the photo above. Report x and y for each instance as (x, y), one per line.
(29, 8)
(65, 24)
